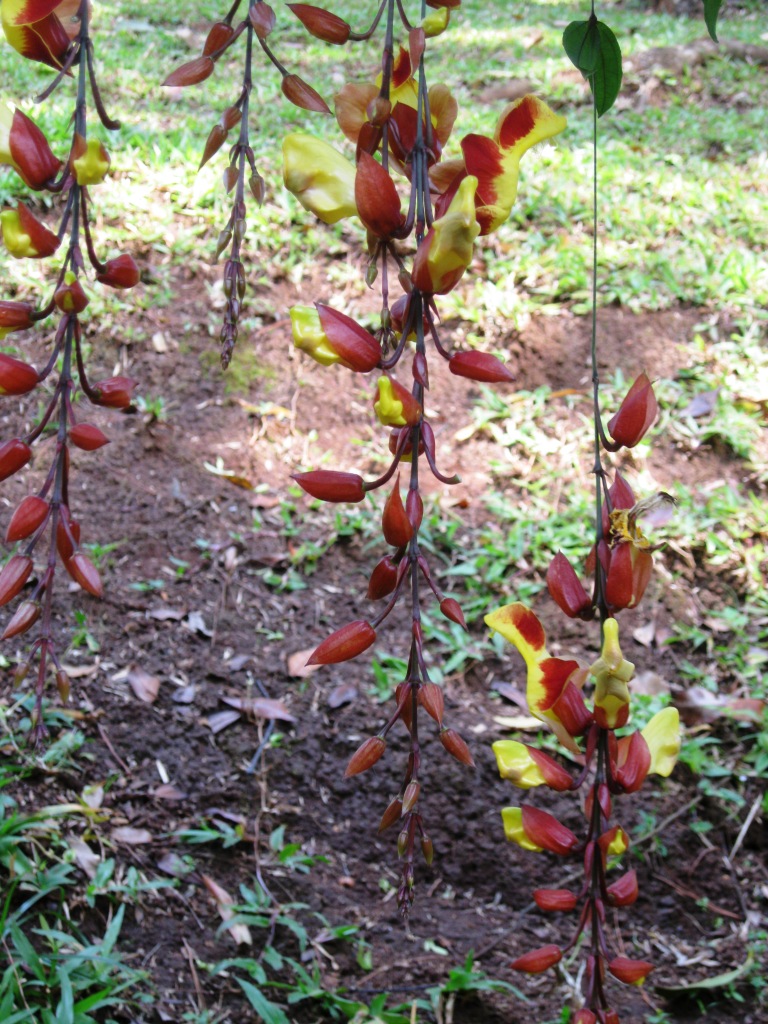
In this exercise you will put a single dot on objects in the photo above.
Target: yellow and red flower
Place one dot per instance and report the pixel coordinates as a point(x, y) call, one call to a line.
point(36, 28)
point(320, 177)
point(24, 147)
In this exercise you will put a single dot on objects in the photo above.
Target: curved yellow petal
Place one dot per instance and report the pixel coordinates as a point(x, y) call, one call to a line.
point(512, 819)
point(319, 176)
point(516, 764)
point(662, 734)
point(309, 337)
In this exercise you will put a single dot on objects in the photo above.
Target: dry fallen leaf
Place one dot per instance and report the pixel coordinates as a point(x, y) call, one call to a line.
point(131, 836)
point(297, 664)
point(144, 686)
point(260, 707)
point(221, 719)
point(239, 932)
point(85, 858)
point(168, 792)
point(164, 614)
point(344, 693)
point(645, 634)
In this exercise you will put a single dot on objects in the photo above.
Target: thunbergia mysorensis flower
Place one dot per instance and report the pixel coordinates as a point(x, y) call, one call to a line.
point(407, 197)
point(241, 176)
point(36, 30)
point(588, 707)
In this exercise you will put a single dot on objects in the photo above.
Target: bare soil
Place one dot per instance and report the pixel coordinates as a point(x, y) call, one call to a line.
point(216, 628)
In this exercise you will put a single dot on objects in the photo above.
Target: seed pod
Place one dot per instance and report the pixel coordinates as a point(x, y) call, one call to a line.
point(191, 73)
point(13, 576)
point(262, 18)
point(366, 756)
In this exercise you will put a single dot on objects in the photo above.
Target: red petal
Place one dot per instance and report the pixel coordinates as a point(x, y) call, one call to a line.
point(356, 347)
point(636, 413)
point(16, 377)
point(547, 832)
point(376, 198)
point(624, 890)
point(565, 587)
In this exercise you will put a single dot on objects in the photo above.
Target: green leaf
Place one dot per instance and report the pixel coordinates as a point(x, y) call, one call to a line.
point(711, 11)
point(269, 1012)
point(593, 48)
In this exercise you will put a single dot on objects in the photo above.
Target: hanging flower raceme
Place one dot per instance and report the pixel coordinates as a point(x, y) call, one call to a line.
point(37, 30)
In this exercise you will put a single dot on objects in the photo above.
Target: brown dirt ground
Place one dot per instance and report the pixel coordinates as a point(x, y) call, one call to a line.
point(217, 627)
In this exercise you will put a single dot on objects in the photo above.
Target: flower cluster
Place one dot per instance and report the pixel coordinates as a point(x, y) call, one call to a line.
point(37, 30)
point(241, 176)
point(409, 199)
point(585, 707)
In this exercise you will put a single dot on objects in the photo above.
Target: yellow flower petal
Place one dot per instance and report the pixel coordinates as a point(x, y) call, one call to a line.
point(512, 819)
point(17, 242)
point(516, 764)
point(662, 734)
point(387, 407)
point(91, 168)
point(320, 177)
point(308, 335)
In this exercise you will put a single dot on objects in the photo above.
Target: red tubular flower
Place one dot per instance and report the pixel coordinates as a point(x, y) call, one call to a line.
point(480, 366)
point(356, 348)
point(636, 413)
point(13, 576)
point(120, 272)
point(565, 588)
point(538, 960)
point(546, 831)
point(30, 153)
point(331, 485)
point(554, 899)
point(366, 756)
point(27, 518)
point(376, 198)
point(633, 762)
point(14, 455)
point(114, 392)
point(15, 316)
point(395, 524)
point(629, 573)
point(16, 378)
point(344, 644)
point(632, 972)
point(624, 891)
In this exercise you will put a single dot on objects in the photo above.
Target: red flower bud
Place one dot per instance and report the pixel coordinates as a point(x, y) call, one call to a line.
point(395, 524)
point(376, 198)
point(585, 1017)
point(31, 153)
point(302, 95)
point(538, 960)
point(345, 643)
point(629, 573)
point(14, 455)
point(456, 746)
point(410, 796)
point(71, 298)
point(451, 609)
point(330, 485)
point(84, 572)
point(555, 776)
point(480, 366)
point(357, 349)
point(431, 699)
point(13, 576)
point(392, 814)
point(632, 972)
point(554, 899)
point(322, 24)
point(565, 588)
point(15, 316)
point(404, 702)
point(191, 73)
point(27, 518)
point(366, 756)
point(427, 850)
point(120, 272)
point(63, 685)
point(25, 616)
point(219, 34)
point(114, 392)
point(414, 508)
point(262, 18)
point(67, 534)
point(16, 378)
point(624, 890)
point(383, 579)
point(636, 413)
point(633, 761)
point(87, 436)
point(546, 831)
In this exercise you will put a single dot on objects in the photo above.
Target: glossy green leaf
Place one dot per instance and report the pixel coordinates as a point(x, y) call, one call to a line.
point(594, 50)
point(269, 1012)
point(711, 11)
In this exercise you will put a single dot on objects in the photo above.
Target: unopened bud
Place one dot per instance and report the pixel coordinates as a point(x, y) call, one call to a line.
point(411, 796)
point(25, 616)
point(403, 841)
point(538, 960)
point(427, 849)
point(63, 685)
point(366, 756)
point(456, 746)
point(392, 814)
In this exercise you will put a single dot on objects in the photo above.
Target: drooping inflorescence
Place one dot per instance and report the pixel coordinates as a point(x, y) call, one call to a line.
point(36, 31)
point(422, 214)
